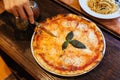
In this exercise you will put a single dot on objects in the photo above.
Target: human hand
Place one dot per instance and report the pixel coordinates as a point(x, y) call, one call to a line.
point(19, 8)
point(1, 7)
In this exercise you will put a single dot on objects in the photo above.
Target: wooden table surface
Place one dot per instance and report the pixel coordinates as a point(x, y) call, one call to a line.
point(16, 44)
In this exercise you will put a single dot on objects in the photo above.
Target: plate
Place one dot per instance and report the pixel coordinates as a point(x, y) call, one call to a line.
point(45, 66)
point(83, 4)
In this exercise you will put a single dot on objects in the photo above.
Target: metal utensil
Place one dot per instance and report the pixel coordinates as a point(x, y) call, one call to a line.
point(117, 2)
point(39, 28)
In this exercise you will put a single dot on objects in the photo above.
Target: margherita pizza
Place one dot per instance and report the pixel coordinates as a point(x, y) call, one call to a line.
point(77, 48)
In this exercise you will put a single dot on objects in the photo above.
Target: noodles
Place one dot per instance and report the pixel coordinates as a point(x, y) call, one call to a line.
point(103, 6)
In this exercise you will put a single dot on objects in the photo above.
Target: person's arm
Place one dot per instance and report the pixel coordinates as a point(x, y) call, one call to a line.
point(19, 8)
point(1, 7)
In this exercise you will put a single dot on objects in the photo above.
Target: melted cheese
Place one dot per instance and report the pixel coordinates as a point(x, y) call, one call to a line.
point(51, 47)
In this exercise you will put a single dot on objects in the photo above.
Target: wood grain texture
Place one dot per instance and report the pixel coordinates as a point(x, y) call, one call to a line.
point(19, 48)
point(4, 69)
point(110, 24)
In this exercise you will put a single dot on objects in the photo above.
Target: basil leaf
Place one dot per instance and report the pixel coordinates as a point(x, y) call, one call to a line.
point(77, 44)
point(69, 36)
point(65, 44)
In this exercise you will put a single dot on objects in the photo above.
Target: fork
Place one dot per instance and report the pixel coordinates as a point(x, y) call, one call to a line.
point(118, 2)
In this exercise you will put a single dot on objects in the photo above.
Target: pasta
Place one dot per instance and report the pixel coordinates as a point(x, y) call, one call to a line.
point(103, 6)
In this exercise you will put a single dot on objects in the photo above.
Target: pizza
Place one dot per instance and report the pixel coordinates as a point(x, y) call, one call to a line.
point(77, 48)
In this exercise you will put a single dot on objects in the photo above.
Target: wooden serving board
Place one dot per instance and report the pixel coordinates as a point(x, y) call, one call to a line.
point(111, 25)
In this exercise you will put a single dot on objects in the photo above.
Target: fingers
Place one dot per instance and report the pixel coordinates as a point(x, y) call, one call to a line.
point(22, 13)
point(20, 9)
point(9, 6)
point(29, 12)
point(14, 11)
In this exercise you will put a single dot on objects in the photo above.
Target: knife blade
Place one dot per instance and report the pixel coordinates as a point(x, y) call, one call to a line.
point(40, 27)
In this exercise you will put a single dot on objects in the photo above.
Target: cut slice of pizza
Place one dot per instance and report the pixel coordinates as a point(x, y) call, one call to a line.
point(73, 60)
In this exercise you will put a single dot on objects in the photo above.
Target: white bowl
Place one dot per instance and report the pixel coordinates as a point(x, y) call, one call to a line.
point(84, 6)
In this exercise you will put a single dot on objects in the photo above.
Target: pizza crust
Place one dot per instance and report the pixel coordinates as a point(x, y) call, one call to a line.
point(72, 61)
